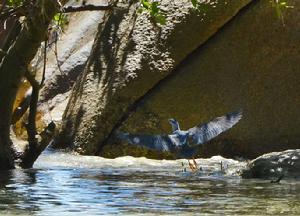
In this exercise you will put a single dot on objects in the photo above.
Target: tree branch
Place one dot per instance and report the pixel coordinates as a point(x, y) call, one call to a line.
point(13, 66)
point(4, 2)
point(45, 63)
point(13, 11)
point(7, 14)
point(71, 9)
point(35, 147)
point(31, 126)
point(31, 154)
point(22, 107)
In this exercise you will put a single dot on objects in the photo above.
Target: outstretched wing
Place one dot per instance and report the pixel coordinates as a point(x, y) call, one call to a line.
point(205, 132)
point(154, 142)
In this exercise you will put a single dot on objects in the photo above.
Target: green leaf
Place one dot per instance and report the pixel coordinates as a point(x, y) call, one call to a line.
point(15, 3)
point(194, 3)
point(140, 10)
point(161, 19)
point(57, 17)
point(146, 4)
point(60, 19)
point(283, 4)
point(154, 7)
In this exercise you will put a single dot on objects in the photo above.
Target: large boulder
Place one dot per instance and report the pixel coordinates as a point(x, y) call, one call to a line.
point(67, 59)
point(274, 165)
point(253, 63)
point(131, 54)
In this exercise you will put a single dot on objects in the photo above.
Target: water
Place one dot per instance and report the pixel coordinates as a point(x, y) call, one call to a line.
point(65, 184)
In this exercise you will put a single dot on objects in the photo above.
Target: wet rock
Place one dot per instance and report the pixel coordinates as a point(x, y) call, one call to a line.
point(131, 54)
point(274, 165)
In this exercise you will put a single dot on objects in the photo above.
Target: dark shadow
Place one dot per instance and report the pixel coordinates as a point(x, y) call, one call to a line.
point(66, 136)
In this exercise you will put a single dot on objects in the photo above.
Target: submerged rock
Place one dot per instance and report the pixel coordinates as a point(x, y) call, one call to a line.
point(274, 165)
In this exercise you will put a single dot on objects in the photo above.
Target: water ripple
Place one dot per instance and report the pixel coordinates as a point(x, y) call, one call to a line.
point(66, 184)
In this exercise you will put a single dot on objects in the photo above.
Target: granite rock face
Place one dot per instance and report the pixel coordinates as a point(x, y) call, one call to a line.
point(275, 164)
point(253, 63)
point(130, 56)
point(67, 59)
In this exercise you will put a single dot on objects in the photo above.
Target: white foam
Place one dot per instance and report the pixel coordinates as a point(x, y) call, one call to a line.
point(68, 160)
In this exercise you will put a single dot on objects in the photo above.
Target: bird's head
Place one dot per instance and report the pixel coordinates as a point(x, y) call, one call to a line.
point(174, 124)
point(172, 121)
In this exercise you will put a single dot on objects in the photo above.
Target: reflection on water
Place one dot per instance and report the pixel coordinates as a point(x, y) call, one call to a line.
point(64, 184)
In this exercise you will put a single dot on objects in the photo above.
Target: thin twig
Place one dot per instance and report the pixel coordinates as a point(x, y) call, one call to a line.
point(4, 2)
point(45, 62)
point(56, 54)
point(9, 13)
point(13, 11)
point(31, 126)
point(69, 9)
point(89, 7)
point(55, 45)
point(33, 82)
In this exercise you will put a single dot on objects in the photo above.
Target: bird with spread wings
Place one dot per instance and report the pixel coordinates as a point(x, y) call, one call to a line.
point(183, 142)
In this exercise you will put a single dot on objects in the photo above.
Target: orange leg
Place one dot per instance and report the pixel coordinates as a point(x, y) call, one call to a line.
point(193, 165)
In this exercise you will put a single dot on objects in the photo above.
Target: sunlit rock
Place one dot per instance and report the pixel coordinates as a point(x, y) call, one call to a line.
point(131, 54)
point(274, 165)
point(253, 63)
point(67, 59)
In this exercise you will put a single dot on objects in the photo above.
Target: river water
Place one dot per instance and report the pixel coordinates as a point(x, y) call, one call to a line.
point(65, 184)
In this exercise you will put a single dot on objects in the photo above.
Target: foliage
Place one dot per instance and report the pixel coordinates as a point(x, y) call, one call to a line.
point(201, 5)
point(14, 3)
point(152, 7)
point(280, 6)
point(60, 20)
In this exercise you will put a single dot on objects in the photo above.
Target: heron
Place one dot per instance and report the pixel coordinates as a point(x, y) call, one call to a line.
point(183, 143)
